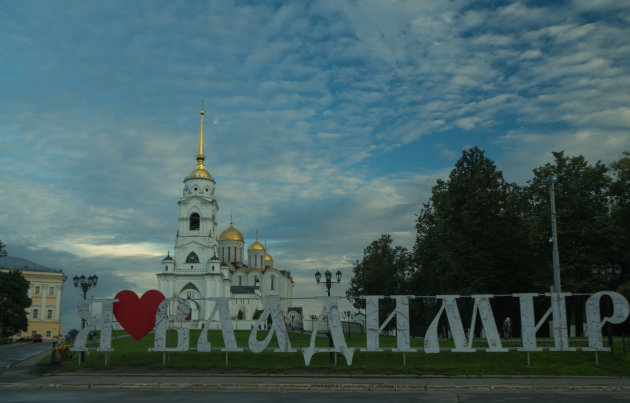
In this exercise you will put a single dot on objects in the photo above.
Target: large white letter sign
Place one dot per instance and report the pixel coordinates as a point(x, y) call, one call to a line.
point(222, 306)
point(482, 304)
point(272, 308)
point(431, 341)
point(374, 330)
point(620, 314)
point(529, 327)
point(331, 311)
point(104, 324)
point(560, 331)
point(162, 324)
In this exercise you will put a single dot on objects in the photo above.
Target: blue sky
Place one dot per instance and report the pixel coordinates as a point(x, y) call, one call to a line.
point(327, 122)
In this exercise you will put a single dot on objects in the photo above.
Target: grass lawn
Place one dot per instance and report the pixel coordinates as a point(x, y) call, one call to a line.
point(130, 355)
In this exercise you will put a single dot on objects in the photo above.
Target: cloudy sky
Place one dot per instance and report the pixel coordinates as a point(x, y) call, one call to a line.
point(327, 122)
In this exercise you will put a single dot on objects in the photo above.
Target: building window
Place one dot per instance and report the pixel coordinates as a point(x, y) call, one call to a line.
point(51, 291)
point(36, 289)
point(192, 258)
point(47, 333)
point(49, 314)
point(273, 282)
point(194, 222)
point(240, 280)
point(35, 313)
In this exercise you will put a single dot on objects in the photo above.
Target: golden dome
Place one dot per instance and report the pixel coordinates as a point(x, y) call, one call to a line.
point(199, 173)
point(231, 234)
point(256, 246)
point(268, 258)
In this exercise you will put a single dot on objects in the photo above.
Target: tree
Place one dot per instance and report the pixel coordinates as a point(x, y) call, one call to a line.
point(72, 334)
point(13, 302)
point(585, 230)
point(3, 251)
point(472, 239)
point(382, 271)
point(471, 236)
point(619, 192)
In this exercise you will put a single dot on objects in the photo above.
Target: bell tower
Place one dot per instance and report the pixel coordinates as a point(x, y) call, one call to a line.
point(196, 240)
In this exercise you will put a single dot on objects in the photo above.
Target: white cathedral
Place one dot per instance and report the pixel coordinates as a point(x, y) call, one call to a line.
point(206, 265)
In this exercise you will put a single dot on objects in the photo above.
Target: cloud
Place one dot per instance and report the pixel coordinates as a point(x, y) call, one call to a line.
point(326, 125)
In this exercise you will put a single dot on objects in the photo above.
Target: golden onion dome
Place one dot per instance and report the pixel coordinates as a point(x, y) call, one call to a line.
point(256, 246)
point(231, 234)
point(268, 258)
point(199, 173)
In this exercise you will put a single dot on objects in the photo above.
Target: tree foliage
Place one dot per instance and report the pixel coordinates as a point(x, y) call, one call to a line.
point(382, 271)
point(13, 302)
point(471, 236)
point(585, 229)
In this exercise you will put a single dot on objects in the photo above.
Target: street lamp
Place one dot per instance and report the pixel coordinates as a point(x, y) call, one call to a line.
point(328, 276)
point(607, 273)
point(85, 283)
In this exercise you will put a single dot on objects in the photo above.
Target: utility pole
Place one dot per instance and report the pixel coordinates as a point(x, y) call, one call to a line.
point(554, 233)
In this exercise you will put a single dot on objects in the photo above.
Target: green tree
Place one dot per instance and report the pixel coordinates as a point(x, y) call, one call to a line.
point(471, 236)
point(72, 333)
point(13, 302)
point(619, 191)
point(585, 231)
point(3, 251)
point(382, 271)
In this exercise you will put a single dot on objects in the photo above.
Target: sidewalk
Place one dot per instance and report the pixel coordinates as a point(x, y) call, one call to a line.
point(18, 377)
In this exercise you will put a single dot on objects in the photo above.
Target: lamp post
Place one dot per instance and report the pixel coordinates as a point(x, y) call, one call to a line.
point(607, 274)
point(328, 284)
point(85, 284)
point(328, 277)
point(348, 315)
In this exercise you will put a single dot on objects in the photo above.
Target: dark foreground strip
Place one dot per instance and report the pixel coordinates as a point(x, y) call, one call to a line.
point(318, 387)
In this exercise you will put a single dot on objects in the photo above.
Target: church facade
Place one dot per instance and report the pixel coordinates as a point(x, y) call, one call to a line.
point(206, 264)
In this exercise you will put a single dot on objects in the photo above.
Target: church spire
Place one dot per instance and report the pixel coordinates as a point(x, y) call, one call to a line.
point(200, 157)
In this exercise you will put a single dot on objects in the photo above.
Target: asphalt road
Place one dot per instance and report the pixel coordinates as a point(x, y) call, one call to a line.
point(279, 396)
point(13, 353)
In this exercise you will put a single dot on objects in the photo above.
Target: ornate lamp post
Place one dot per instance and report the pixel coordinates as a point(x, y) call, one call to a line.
point(348, 315)
point(85, 283)
point(328, 284)
point(328, 277)
point(607, 274)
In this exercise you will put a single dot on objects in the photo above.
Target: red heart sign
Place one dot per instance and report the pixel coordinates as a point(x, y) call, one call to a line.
point(137, 315)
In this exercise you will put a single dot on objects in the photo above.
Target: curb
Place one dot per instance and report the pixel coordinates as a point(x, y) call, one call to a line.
point(316, 387)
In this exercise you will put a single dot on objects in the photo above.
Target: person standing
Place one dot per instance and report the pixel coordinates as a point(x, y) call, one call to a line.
point(507, 328)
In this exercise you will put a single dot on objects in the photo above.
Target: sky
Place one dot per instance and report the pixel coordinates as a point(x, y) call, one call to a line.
point(326, 122)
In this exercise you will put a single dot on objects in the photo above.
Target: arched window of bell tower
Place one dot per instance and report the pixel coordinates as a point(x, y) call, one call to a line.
point(194, 222)
point(192, 258)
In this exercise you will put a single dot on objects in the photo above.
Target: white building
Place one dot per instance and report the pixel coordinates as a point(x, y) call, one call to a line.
point(205, 264)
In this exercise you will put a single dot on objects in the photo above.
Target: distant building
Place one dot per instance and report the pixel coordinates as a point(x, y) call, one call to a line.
point(45, 291)
point(206, 264)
